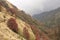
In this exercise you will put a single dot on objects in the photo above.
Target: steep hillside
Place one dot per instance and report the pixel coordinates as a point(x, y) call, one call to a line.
point(51, 21)
point(49, 18)
point(16, 25)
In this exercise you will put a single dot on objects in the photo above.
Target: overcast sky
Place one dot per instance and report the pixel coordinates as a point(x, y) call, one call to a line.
point(36, 6)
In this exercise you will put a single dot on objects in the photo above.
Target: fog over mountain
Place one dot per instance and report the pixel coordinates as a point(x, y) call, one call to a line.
point(51, 4)
point(36, 6)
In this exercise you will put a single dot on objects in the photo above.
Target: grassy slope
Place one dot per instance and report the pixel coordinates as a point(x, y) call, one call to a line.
point(24, 20)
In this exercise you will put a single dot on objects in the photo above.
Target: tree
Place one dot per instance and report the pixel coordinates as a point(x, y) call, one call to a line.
point(11, 23)
point(26, 33)
point(36, 32)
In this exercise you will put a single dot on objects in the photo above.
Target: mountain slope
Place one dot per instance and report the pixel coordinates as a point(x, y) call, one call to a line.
point(51, 20)
point(16, 25)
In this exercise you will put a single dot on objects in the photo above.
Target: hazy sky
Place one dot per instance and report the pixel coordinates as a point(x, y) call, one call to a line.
point(36, 6)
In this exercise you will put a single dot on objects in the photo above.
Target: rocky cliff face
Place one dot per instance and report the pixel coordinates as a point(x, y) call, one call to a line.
point(16, 25)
